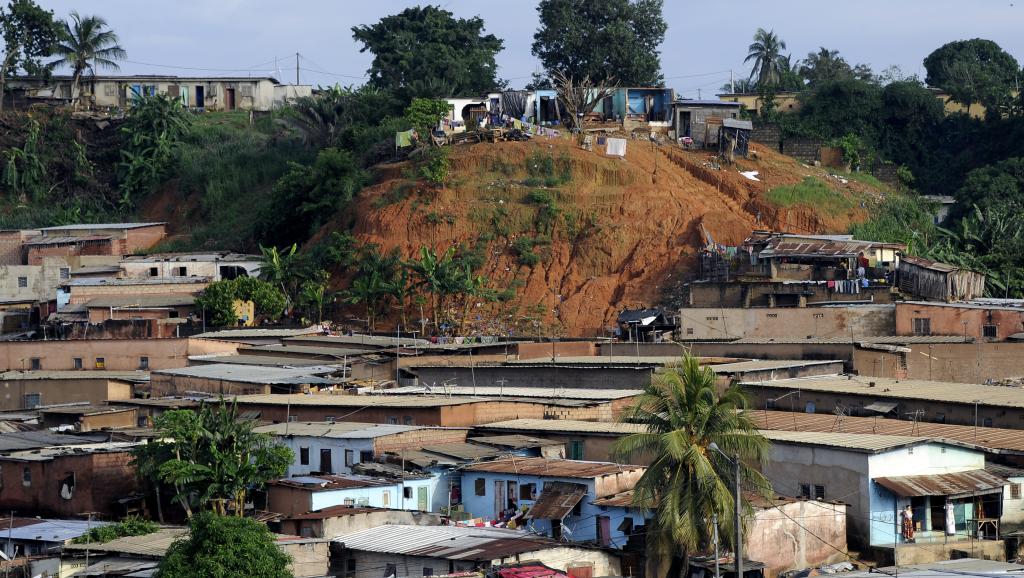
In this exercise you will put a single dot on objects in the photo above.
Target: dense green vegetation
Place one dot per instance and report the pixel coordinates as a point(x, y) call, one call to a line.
point(220, 546)
point(896, 118)
point(810, 192)
point(130, 526)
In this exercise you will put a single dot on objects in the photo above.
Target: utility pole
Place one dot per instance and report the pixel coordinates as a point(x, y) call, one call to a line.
point(698, 94)
point(296, 69)
point(732, 82)
point(10, 529)
point(739, 520)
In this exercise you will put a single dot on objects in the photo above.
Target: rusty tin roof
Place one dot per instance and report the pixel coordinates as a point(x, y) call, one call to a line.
point(955, 485)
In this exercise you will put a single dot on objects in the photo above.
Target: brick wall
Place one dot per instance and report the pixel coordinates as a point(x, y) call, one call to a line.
point(417, 439)
point(36, 253)
point(801, 148)
point(886, 172)
point(143, 238)
point(768, 135)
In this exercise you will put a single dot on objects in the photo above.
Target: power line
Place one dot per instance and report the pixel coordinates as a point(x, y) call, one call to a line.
point(249, 69)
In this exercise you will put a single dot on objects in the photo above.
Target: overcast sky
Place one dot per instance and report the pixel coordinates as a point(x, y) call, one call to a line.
point(704, 40)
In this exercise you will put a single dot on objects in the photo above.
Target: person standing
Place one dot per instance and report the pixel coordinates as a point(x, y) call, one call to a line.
point(908, 524)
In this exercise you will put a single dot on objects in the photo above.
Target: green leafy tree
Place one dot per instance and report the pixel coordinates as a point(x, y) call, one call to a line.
point(28, 34)
point(369, 290)
point(217, 300)
point(602, 39)
point(217, 303)
point(436, 166)
point(153, 132)
point(688, 482)
point(85, 43)
point(334, 116)
point(764, 52)
point(423, 114)
point(315, 295)
point(973, 71)
point(835, 109)
point(909, 123)
point(286, 269)
point(827, 65)
point(130, 526)
point(212, 458)
point(424, 51)
point(266, 298)
point(218, 546)
point(307, 195)
point(432, 274)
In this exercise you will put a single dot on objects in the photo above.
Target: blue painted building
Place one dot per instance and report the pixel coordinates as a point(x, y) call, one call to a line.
point(303, 494)
point(576, 500)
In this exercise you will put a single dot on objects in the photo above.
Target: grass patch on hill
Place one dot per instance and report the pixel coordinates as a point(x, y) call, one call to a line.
point(810, 192)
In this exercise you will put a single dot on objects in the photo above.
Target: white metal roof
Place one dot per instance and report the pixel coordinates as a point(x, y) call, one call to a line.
point(909, 389)
point(448, 542)
point(338, 430)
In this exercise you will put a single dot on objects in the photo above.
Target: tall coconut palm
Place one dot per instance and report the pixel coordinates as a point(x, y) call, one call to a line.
point(765, 52)
point(84, 43)
point(688, 482)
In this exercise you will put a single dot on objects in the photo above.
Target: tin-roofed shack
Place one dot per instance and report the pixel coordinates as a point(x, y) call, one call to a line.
point(66, 480)
point(423, 551)
point(702, 119)
point(929, 279)
point(28, 389)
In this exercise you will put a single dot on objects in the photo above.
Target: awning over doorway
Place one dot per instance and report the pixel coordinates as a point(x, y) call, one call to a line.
point(557, 500)
point(957, 485)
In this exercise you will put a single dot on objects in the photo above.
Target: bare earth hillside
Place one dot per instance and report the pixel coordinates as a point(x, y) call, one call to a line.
point(626, 230)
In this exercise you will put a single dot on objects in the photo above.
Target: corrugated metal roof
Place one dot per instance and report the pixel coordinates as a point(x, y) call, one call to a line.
point(142, 301)
point(909, 389)
point(564, 426)
point(118, 566)
point(556, 500)
point(153, 545)
point(87, 409)
point(957, 485)
point(870, 443)
point(945, 569)
point(134, 281)
point(515, 441)
point(323, 483)
point(312, 350)
point(928, 264)
point(1000, 305)
point(552, 467)
point(341, 400)
point(784, 246)
point(446, 542)
point(337, 430)
point(46, 530)
point(256, 360)
point(621, 500)
point(424, 459)
point(215, 256)
point(95, 226)
point(132, 376)
point(30, 440)
point(66, 240)
point(524, 392)
point(48, 453)
point(358, 339)
point(257, 375)
point(886, 339)
point(228, 334)
point(464, 450)
point(768, 364)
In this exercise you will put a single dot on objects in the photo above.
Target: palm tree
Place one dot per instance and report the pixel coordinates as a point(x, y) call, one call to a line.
point(688, 483)
point(433, 272)
point(765, 52)
point(84, 43)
